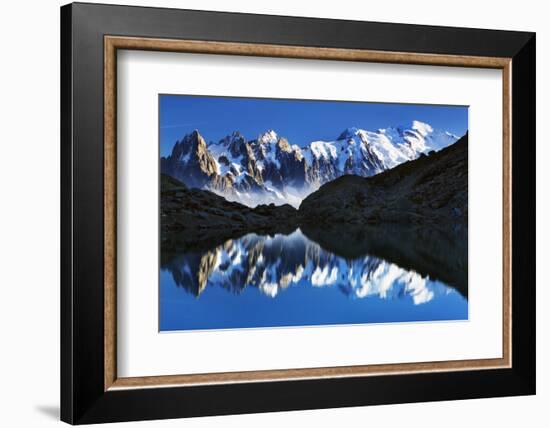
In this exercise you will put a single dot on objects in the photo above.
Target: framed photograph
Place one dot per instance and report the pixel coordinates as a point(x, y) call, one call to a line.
point(266, 213)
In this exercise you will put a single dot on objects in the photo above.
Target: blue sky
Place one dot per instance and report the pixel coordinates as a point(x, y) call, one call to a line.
point(300, 121)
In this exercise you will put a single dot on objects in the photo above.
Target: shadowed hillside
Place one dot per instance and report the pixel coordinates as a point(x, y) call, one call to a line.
point(190, 216)
point(432, 189)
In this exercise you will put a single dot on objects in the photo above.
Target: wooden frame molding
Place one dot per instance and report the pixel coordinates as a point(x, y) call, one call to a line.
point(113, 43)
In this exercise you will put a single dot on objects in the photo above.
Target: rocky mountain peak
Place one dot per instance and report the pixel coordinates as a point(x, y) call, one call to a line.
point(190, 158)
point(422, 128)
point(190, 143)
point(268, 137)
point(283, 145)
point(236, 144)
point(348, 133)
point(234, 136)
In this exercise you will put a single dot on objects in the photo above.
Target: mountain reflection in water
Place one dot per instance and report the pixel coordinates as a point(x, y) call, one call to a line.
point(291, 280)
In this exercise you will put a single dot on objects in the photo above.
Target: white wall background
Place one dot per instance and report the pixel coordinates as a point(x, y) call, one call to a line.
point(29, 213)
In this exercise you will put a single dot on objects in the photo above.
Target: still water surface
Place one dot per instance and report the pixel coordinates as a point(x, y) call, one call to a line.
point(290, 280)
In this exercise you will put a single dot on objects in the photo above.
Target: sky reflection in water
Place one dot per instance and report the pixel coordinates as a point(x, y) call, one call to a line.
point(290, 280)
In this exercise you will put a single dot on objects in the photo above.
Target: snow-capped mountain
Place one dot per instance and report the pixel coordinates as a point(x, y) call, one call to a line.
point(269, 169)
point(274, 263)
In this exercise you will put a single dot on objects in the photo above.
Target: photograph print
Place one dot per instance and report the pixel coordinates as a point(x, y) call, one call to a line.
point(302, 213)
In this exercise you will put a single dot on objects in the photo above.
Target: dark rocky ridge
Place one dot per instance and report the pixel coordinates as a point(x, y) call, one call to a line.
point(191, 216)
point(432, 189)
